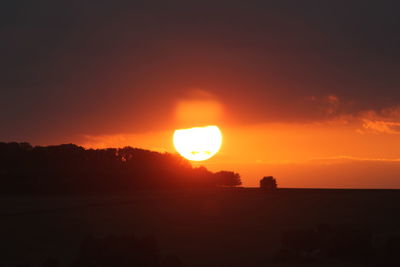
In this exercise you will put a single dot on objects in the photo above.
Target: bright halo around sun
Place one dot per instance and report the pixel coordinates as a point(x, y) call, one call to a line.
point(199, 143)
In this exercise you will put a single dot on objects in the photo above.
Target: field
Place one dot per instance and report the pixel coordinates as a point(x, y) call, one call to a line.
point(239, 227)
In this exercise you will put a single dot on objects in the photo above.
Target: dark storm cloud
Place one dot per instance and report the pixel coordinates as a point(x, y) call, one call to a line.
point(74, 67)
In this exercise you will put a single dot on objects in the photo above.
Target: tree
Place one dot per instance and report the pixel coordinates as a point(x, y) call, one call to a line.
point(227, 178)
point(268, 183)
point(70, 168)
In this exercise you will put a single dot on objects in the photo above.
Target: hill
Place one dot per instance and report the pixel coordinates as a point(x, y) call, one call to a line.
point(70, 168)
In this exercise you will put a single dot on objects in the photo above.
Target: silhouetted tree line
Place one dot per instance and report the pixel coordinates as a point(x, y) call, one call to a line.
point(70, 168)
point(268, 183)
point(119, 251)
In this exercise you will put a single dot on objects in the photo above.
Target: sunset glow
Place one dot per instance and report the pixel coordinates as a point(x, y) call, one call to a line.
point(298, 93)
point(200, 133)
point(199, 143)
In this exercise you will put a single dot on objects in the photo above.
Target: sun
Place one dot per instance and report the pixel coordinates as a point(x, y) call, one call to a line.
point(198, 143)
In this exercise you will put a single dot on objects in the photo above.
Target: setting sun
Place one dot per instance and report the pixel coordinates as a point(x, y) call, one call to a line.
point(199, 143)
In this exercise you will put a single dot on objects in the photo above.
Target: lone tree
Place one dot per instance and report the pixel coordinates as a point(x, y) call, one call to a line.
point(268, 183)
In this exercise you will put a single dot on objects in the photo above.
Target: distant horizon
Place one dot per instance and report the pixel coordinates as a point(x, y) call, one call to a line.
point(303, 175)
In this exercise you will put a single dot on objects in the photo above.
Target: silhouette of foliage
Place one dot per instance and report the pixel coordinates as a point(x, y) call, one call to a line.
point(121, 251)
point(326, 243)
point(69, 168)
point(228, 178)
point(339, 243)
point(268, 183)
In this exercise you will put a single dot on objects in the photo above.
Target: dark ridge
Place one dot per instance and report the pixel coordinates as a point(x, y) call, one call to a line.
point(72, 169)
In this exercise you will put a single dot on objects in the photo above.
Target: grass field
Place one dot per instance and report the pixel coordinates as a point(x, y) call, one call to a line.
point(239, 227)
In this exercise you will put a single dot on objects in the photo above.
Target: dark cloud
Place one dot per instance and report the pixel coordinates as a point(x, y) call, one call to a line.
point(83, 67)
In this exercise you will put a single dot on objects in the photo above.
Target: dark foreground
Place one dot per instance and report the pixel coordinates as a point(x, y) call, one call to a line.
point(241, 227)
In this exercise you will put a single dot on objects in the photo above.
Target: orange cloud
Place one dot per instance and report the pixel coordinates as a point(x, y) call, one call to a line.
point(347, 159)
point(385, 121)
point(382, 126)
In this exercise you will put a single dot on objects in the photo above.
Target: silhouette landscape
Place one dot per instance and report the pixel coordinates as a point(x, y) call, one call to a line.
point(69, 206)
point(28, 169)
point(199, 133)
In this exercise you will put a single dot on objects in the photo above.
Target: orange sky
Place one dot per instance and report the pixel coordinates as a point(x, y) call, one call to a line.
point(307, 91)
point(345, 151)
